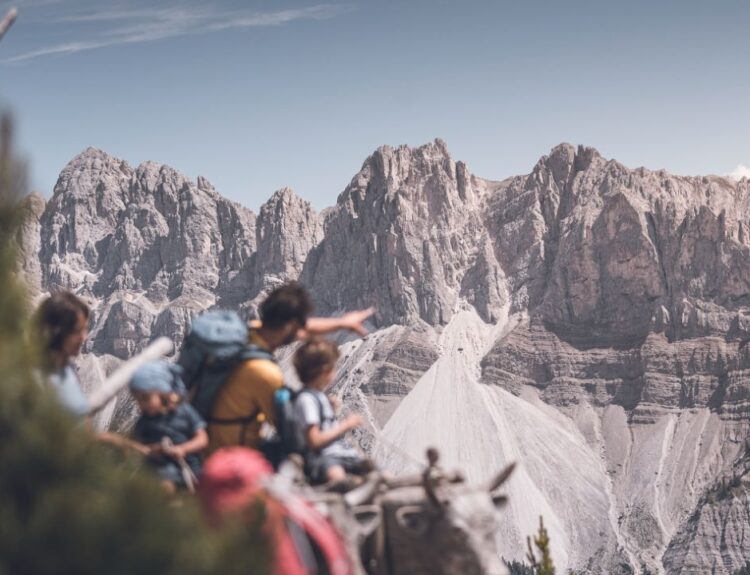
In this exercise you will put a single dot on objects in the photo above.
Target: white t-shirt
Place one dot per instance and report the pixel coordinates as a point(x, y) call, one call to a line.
point(308, 408)
point(68, 389)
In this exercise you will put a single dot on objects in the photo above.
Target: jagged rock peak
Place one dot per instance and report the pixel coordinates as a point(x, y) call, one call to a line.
point(391, 160)
point(204, 184)
point(88, 170)
point(427, 175)
point(405, 234)
point(283, 200)
point(34, 203)
point(285, 209)
point(436, 148)
point(566, 159)
point(93, 158)
point(92, 153)
point(151, 174)
point(150, 170)
point(287, 229)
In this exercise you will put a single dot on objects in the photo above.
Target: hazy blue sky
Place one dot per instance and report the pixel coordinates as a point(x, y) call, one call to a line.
point(256, 95)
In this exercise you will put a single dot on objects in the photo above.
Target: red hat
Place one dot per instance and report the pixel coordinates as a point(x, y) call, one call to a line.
point(231, 478)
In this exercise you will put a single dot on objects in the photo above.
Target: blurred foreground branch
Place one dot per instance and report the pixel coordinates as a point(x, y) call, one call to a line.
point(68, 504)
point(7, 21)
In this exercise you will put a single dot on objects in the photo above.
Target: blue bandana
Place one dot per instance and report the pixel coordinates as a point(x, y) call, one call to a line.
point(159, 376)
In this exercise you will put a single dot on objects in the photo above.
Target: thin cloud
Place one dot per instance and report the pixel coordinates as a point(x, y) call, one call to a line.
point(741, 171)
point(69, 48)
point(154, 24)
point(34, 3)
point(144, 14)
point(321, 12)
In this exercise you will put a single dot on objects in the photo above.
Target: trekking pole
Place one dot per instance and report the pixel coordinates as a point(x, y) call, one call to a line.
point(7, 21)
point(120, 378)
point(187, 474)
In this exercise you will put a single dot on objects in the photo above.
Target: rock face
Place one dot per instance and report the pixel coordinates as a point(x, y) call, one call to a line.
point(587, 319)
point(714, 539)
point(287, 230)
point(404, 237)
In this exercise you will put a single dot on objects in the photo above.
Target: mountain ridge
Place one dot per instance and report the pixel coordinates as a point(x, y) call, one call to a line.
point(587, 306)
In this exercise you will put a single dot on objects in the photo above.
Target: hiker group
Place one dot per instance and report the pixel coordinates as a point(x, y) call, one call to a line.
point(225, 389)
point(225, 396)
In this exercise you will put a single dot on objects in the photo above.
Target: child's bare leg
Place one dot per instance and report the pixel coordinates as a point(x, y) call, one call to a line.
point(336, 473)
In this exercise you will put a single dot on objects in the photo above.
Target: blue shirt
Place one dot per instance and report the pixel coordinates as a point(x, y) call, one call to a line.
point(68, 389)
point(179, 425)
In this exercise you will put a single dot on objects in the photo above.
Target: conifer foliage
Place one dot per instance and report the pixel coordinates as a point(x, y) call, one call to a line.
point(542, 565)
point(67, 504)
point(519, 568)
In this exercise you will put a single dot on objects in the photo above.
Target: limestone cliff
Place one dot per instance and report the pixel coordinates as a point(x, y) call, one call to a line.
point(587, 319)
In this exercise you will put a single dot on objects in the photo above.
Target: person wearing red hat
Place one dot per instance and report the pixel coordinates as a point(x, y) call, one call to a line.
point(236, 477)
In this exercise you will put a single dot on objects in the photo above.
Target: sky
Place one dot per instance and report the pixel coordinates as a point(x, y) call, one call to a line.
point(256, 95)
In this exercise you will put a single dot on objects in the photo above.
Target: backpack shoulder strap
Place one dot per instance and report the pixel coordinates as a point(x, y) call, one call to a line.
point(250, 352)
point(253, 351)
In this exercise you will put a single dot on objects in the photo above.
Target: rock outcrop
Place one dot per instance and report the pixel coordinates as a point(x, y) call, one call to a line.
point(587, 319)
point(716, 539)
point(404, 237)
point(288, 229)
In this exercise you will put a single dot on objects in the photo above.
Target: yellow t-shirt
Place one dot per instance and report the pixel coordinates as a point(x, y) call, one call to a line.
point(249, 390)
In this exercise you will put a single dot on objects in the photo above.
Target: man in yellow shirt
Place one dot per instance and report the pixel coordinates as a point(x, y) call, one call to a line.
point(245, 401)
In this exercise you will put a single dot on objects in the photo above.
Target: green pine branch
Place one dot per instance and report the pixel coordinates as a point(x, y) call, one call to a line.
point(542, 565)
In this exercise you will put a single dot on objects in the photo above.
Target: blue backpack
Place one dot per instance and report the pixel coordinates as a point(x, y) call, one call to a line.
point(216, 345)
point(291, 436)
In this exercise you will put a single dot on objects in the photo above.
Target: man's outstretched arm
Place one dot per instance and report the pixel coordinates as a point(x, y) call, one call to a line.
point(351, 321)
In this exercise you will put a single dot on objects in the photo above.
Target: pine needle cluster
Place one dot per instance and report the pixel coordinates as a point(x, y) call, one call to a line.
point(542, 565)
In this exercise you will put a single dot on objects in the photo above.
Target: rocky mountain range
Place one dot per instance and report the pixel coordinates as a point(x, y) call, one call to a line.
point(588, 320)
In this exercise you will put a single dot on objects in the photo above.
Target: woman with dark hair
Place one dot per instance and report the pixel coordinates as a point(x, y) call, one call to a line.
point(62, 324)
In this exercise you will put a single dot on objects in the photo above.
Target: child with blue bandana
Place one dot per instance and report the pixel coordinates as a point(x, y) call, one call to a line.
point(170, 429)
